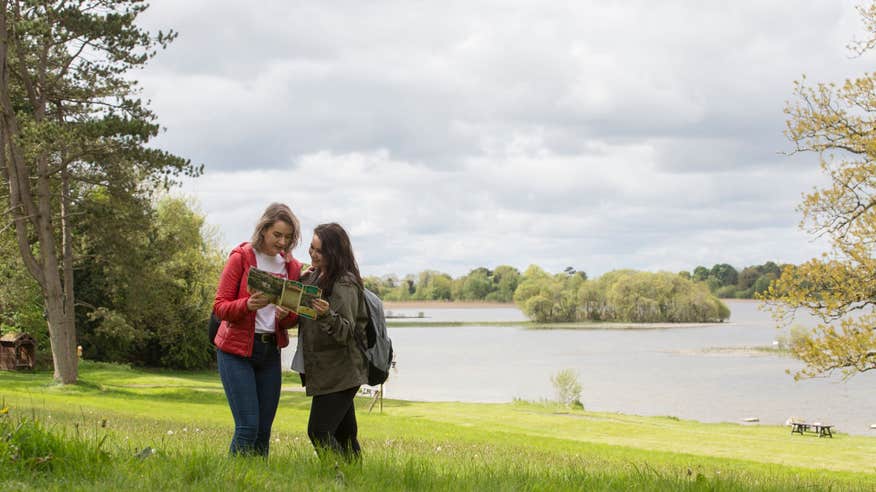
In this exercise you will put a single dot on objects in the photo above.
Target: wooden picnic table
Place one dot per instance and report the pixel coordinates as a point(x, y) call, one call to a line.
point(816, 428)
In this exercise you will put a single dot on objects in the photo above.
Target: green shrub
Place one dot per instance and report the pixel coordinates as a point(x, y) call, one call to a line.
point(794, 338)
point(567, 388)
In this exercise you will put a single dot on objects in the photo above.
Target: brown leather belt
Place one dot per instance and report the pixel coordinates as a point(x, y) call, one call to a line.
point(266, 338)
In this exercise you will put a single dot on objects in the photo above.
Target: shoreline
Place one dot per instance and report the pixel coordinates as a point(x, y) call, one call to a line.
point(446, 304)
point(560, 325)
point(482, 304)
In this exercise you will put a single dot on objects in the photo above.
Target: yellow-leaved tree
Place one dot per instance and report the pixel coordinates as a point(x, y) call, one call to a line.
point(838, 122)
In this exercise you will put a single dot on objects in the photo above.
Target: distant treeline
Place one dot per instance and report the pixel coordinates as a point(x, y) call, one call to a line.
point(728, 283)
point(481, 284)
point(499, 285)
point(622, 295)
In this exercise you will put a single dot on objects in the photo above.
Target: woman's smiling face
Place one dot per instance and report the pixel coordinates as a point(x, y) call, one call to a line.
point(277, 237)
point(316, 251)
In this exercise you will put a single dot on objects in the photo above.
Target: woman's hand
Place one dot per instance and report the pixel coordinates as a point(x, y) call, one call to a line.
point(282, 312)
point(321, 305)
point(257, 301)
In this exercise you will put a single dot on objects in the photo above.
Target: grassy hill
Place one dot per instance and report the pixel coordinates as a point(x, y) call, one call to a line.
point(141, 430)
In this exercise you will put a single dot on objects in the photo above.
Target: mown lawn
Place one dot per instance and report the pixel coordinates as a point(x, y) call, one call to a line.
point(143, 430)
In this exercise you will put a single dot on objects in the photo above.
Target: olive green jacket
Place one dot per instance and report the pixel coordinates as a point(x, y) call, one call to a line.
point(331, 345)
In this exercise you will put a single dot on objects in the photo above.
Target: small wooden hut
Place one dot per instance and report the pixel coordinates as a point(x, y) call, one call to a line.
point(17, 351)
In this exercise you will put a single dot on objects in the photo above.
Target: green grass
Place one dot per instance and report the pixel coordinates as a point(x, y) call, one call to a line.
point(92, 436)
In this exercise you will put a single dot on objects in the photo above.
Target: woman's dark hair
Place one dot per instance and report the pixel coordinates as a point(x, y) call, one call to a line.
point(276, 212)
point(337, 257)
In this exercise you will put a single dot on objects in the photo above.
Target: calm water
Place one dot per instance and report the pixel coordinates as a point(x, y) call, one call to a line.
point(458, 314)
point(644, 372)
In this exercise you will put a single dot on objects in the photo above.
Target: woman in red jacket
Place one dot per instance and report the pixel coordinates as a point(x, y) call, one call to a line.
point(253, 331)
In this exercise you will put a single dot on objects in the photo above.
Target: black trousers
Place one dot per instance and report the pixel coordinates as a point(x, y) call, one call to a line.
point(332, 424)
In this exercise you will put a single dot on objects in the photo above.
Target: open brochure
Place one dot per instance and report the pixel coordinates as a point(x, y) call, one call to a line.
point(291, 294)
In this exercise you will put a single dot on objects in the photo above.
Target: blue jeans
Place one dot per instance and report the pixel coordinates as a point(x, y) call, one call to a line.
point(252, 386)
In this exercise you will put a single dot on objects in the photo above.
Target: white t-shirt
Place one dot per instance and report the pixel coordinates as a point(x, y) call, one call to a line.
point(266, 315)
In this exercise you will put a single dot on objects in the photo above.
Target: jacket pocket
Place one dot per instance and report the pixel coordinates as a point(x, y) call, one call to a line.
point(330, 369)
point(323, 342)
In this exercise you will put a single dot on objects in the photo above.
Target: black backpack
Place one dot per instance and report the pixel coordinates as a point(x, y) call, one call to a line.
point(377, 346)
point(213, 327)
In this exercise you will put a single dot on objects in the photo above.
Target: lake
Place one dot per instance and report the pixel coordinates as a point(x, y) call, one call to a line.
point(671, 371)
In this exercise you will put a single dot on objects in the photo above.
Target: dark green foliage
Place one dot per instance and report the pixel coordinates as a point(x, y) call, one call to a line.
point(146, 284)
point(21, 304)
point(506, 278)
point(477, 284)
point(725, 274)
point(726, 282)
point(700, 273)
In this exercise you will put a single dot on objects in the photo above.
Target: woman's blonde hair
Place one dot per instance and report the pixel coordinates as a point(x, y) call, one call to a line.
point(276, 212)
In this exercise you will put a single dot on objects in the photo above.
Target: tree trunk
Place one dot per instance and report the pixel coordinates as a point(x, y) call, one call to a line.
point(69, 354)
point(33, 216)
point(62, 329)
point(62, 332)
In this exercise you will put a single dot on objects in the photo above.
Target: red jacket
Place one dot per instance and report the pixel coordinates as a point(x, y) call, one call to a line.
point(236, 333)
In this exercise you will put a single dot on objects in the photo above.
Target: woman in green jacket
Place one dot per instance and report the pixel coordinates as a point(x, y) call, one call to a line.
point(330, 355)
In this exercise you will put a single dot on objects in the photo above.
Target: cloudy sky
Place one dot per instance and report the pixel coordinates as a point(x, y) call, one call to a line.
point(451, 135)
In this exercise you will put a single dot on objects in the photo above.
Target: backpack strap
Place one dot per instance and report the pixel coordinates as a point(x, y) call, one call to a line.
point(363, 343)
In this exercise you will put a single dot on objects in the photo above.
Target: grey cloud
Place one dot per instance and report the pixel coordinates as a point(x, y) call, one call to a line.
point(597, 134)
point(358, 79)
point(719, 154)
